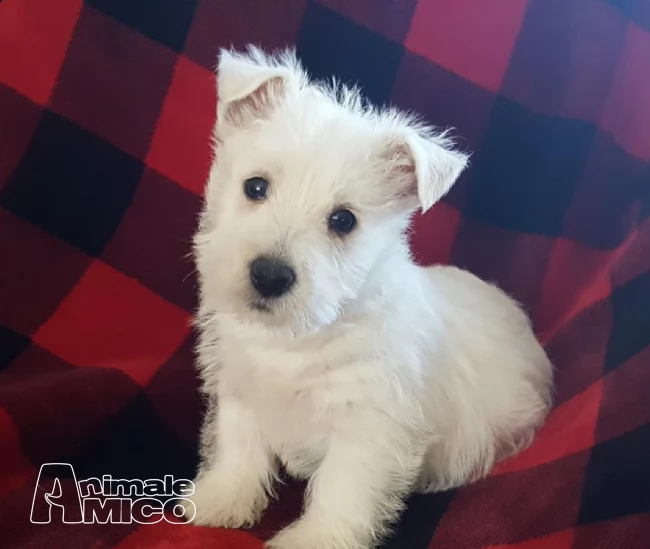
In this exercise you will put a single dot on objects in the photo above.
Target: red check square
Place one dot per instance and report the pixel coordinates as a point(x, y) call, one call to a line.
point(64, 404)
point(472, 38)
point(557, 540)
point(387, 17)
point(153, 241)
point(515, 261)
point(627, 111)
point(578, 351)
point(569, 429)
point(433, 234)
point(181, 148)
point(576, 278)
point(635, 259)
point(113, 82)
point(15, 468)
point(241, 22)
point(500, 505)
point(112, 321)
point(168, 534)
point(33, 42)
point(625, 533)
point(38, 272)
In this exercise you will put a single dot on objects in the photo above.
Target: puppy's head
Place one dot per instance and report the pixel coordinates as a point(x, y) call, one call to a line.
point(309, 191)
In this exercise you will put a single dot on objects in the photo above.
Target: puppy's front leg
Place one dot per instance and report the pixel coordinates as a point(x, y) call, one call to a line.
point(358, 490)
point(231, 490)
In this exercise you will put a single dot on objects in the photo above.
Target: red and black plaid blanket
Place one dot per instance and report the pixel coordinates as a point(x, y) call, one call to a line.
point(105, 112)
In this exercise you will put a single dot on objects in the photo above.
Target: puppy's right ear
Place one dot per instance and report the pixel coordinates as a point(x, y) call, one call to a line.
point(250, 85)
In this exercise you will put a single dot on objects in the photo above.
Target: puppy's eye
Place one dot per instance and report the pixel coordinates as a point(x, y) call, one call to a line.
point(256, 188)
point(342, 221)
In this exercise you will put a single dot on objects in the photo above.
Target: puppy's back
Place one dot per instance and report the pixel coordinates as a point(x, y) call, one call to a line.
point(491, 380)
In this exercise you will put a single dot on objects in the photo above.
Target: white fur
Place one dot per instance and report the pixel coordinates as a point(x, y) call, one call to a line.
point(372, 376)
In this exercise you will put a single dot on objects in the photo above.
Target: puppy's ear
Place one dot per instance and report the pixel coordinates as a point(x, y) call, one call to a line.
point(250, 85)
point(424, 165)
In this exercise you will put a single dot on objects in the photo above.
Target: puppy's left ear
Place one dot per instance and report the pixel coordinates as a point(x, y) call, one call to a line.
point(252, 83)
point(424, 166)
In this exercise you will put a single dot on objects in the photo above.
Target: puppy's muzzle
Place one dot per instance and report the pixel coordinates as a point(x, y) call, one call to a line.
point(271, 277)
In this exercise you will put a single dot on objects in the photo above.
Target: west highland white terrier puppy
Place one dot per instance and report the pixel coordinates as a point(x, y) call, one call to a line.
point(323, 347)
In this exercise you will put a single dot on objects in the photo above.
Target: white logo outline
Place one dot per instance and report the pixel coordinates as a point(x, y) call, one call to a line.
point(114, 508)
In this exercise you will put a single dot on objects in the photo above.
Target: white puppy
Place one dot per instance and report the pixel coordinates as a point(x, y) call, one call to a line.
point(327, 349)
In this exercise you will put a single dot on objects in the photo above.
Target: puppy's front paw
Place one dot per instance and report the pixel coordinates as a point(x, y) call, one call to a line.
point(304, 534)
point(225, 503)
point(293, 537)
point(428, 482)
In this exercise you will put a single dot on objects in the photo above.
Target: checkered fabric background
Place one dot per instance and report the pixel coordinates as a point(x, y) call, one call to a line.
point(105, 111)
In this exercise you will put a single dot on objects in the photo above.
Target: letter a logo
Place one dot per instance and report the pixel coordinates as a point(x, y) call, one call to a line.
point(56, 486)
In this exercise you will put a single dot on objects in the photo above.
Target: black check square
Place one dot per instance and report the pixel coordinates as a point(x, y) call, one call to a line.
point(72, 184)
point(167, 21)
point(637, 10)
point(609, 196)
point(617, 480)
point(129, 441)
point(18, 118)
point(420, 520)
point(570, 75)
point(331, 45)
point(67, 405)
point(644, 210)
point(11, 345)
point(524, 172)
point(444, 98)
point(630, 321)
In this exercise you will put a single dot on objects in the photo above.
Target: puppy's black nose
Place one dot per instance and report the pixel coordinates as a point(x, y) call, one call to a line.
point(271, 277)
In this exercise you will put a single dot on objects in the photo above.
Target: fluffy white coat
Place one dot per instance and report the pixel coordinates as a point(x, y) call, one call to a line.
point(372, 377)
